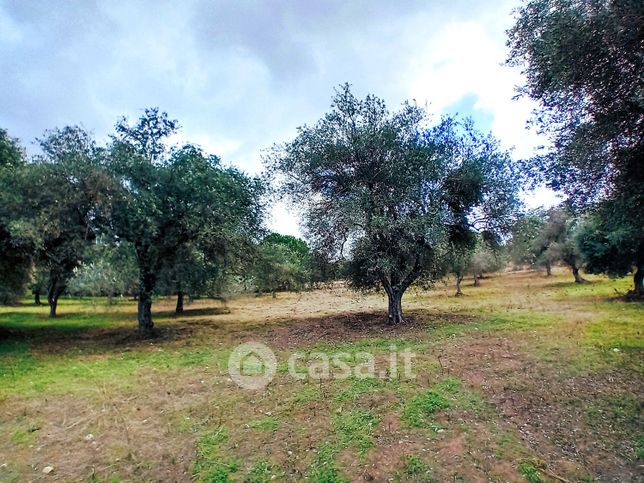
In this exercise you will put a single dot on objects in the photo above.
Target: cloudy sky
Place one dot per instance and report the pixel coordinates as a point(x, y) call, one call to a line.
point(242, 75)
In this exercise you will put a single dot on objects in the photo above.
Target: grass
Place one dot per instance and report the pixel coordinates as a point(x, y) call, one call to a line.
point(210, 465)
point(520, 360)
point(449, 393)
point(355, 428)
point(265, 424)
point(531, 474)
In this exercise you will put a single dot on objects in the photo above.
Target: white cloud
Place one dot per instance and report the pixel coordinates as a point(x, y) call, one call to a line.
point(241, 76)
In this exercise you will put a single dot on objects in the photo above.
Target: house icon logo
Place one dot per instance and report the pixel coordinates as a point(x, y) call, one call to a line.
point(252, 365)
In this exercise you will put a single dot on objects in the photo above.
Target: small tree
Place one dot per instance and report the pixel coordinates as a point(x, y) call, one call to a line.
point(557, 242)
point(392, 193)
point(460, 260)
point(488, 257)
point(283, 263)
point(524, 232)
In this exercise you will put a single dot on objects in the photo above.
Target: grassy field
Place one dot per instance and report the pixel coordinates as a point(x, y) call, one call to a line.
point(525, 378)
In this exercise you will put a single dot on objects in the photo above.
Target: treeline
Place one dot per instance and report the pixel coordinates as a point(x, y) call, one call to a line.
point(278, 263)
point(134, 216)
point(390, 197)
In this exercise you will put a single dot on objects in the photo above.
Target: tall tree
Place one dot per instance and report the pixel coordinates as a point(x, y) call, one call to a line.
point(172, 197)
point(583, 63)
point(16, 259)
point(391, 193)
point(62, 200)
point(71, 191)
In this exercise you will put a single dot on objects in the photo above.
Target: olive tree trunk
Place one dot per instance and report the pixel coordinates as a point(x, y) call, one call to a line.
point(638, 280)
point(37, 298)
point(459, 279)
point(578, 277)
point(179, 308)
point(394, 311)
point(145, 304)
point(395, 287)
point(55, 290)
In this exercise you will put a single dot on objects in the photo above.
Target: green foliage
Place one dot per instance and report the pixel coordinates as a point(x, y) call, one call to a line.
point(486, 259)
point(109, 269)
point(15, 262)
point(583, 62)
point(283, 262)
point(170, 198)
point(557, 241)
point(531, 474)
point(524, 232)
point(606, 243)
point(63, 205)
point(15, 267)
point(391, 193)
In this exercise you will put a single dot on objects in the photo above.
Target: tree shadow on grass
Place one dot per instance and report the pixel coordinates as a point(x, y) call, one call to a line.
point(73, 333)
point(100, 332)
point(196, 312)
point(356, 326)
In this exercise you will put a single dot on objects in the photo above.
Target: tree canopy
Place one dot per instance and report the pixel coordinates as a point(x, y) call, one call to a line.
point(16, 259)
point(170, 198)
point(391, 193)
point(583, 62)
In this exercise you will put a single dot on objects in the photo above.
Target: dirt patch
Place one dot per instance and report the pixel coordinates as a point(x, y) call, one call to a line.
point(548, 411)
point(124, 436)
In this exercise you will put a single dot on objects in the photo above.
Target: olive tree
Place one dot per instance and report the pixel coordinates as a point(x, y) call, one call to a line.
point(392, 194)
point(169, 198)
point(583, 64)
point(16, 250)
point(62, 204)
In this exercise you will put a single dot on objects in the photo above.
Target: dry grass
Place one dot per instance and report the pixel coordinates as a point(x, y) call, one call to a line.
point(524, 378)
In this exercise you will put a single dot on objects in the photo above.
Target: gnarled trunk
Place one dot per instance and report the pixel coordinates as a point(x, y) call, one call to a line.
point(37, 298)
point(145, 304)
point(395, 287)
point(179, 308)
point(477, 280)
point(395, 314)
point(578, 277)
point(55, 290)
point(638, 280)
point(548, 269)
point(53, 306)
point(459, 279)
